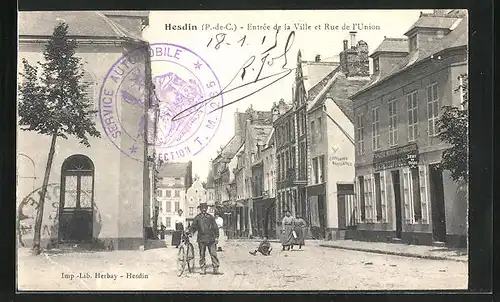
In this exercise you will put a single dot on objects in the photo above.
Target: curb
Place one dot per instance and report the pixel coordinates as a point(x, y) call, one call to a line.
point(403, 254)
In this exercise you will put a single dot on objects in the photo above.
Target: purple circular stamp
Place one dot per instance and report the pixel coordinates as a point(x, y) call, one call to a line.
point(180, 121)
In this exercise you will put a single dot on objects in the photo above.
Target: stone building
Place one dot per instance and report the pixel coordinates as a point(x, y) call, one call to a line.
point(171, 192)
point(402, 193)
point(330, 189)
point(195, 195)
point(291, 138)
point(96, 194)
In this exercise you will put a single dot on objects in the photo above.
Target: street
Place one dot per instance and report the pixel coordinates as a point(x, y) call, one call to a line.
point(313, 268)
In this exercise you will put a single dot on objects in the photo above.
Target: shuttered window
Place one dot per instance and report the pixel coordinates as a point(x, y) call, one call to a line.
point(383, 196)
point(368, 199)
point(407, 196)
point(357, 204)
point(424, 193)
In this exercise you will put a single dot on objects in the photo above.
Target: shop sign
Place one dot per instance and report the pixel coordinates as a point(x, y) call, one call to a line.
point(396, 157)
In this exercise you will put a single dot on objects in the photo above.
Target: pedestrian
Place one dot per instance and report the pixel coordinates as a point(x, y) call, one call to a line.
point(162, 231)
point(179, 221)
point(264, 248)
point(222, 235)
point(287, 231)
point(207, 237)
point(299, 225)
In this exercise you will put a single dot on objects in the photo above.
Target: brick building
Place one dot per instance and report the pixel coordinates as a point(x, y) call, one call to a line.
point(402, 193)
point(96, 193)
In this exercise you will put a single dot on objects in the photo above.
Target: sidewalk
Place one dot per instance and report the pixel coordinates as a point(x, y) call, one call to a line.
point(398, 249)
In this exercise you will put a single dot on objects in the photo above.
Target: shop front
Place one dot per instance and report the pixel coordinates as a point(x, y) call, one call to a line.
point(265, 217)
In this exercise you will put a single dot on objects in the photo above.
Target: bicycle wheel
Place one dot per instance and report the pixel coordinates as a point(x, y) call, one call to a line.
point(181, 260)
point(190, 257)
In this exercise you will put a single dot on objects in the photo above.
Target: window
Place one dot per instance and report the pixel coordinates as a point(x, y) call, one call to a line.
point(361, 141)
point(393, 125)
point(432, 108)
point(375, 129)
point(313, 132)
point(168, 222)
point(177, 193)
point(321, 164)
point(368, 198)
point(161, 207)
point(319, 129)
point(413, 43)
point(177, 206)
point(376, 65)
point(315, 170)
point(168, 206)
point(464, 88)
point(159, 193)
point(77, 188)
point(378, 197)
point(168, 193)
point(415, 195)
point(361, 196)
point(412, 116)
point(191, 211)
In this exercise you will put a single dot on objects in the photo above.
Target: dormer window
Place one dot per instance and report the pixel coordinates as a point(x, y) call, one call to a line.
point(413, 43)
point(376, 66)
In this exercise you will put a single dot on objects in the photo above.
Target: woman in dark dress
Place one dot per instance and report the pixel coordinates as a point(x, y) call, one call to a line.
point(180, 221)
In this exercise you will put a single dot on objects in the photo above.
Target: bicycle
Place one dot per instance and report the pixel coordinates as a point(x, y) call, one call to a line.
point(185, 255)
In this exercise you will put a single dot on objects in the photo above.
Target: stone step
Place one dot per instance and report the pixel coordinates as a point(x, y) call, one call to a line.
point(396, 240)
point(439, 244)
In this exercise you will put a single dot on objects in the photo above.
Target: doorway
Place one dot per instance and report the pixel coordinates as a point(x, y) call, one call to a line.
point(322, 218)
point(76, 210)
point(437, 203)
point(396, 185)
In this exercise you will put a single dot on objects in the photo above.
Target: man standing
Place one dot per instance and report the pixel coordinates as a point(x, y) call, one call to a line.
point(208, 235)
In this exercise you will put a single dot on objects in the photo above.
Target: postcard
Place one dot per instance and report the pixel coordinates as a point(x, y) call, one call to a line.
point(255, 150)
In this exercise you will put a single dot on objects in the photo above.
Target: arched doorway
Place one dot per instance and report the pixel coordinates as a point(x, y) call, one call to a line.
point(77, 199)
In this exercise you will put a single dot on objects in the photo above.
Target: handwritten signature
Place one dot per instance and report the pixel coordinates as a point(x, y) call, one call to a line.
point(260, 82)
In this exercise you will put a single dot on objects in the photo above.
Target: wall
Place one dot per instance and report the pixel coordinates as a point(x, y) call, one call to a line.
point(118, 195)
point(195, 195)
point(339, 159)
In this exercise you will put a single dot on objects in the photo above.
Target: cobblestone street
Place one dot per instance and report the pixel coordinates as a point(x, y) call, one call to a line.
point(313, 268)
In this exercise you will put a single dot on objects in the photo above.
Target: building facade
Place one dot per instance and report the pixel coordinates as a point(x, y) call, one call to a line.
point(171, 192)
point(330, 189)
point(401, 192)
point(195, 195)
point(95, 193)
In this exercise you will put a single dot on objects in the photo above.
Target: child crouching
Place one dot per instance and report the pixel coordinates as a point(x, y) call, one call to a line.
point(264, 248)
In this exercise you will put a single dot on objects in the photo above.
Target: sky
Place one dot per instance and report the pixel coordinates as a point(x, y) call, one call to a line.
point(245, 36)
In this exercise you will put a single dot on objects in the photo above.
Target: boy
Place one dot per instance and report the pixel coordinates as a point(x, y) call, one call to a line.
point(264, 248)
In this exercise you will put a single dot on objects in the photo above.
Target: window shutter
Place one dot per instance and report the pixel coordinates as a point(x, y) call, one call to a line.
point(357, 208)
point(367, 201)
point(383, 196)
point(407, 195)
point(424, 193)
point(373, 197)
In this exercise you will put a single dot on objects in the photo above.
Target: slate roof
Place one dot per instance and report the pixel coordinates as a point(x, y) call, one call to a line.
point(399, 45)
point(173, 169)
point(82, 24)
point(458, 37)
point(260, 133)
point(339, 88)
point(433, 21)
point(232, 147)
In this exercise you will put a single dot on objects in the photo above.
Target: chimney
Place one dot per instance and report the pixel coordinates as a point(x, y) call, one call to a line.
point(352, 34)
point(345, 45)
point(317, 59)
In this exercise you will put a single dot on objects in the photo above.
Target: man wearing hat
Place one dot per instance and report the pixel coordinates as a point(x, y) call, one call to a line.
point(208, 235)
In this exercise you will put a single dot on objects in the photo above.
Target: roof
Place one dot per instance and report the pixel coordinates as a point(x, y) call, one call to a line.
point(314, 72)
point(82, 24)
point(433, 21)
point(260, 133)
point(231, 148)
point(173, 169)
point(399, 45)
point(314, 91)
point(339, 88)
point(458, 37)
